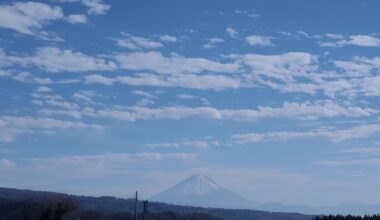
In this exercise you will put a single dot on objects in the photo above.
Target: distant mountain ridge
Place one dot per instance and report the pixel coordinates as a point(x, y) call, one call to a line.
point(200, 190)
point(108, 204)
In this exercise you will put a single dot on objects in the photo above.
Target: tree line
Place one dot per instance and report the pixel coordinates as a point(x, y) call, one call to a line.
point(65, 209)
point(347, 217)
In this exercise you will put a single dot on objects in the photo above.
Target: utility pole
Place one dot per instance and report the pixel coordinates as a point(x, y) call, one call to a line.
point(136, 206)
point(145, 209)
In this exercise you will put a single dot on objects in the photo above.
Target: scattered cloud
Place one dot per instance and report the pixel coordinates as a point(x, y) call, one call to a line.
point(334, 36)
point(95, 7)
point(43, 89)
point(361, 131)
point(354, 40)
point(350, 162)
point(212, 42)
point(142, 93)
point(168, 38)
point(29, 17)
point(191, 81)
point(186, 96)
point(77, 19)
point(303, 111)
point(95, 165)
point(196, 143)
point(11, 126)
point(281, 67)
point(85, 96)
point(26, 77)
point(259, 40)
point(138, 43)
point(96, 78)
point(53, 59)
point(7, 165)
point(232, 32)
point(175, 64)
point(247, 13)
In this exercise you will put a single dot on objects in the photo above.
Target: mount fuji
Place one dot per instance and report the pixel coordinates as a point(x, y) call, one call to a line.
point(200, 190)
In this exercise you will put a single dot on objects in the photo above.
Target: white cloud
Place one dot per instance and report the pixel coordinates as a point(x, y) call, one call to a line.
point(11, 126)
point(352, 67)
point(29, 17)
point(168, 38)
point(259, 40)
point(43, 89)
point(350, 78)
point(115, 157)
point(245, 12)
point(306, 35)
point(361, 131)
point(356, 40)
point(307, 110)
point(361, 76)
point(142, 93)
point(364, 40)
point(232, 32)
point(95, 7)
point(281, 67)
point(191, 81)
point(175, 64)
point(96, 78)
point(65, 112)
point(26, 77)
point(326, 109)
point(147, 100)
point(55, 60)
point(334, 36)
point(351, 162)
point(186, 96)
point(77, 19)
point(43, 123)
point(62, 104)
point(84, 167)
point(69, 81)
point(211, 42)
point(371, 86)
point(135, 43)
point(4, 61)
point(7, 165)
point(85, 96)
point(196, 143)
point(46, 96)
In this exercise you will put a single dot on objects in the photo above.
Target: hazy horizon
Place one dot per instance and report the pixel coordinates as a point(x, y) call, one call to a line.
point(277, 101)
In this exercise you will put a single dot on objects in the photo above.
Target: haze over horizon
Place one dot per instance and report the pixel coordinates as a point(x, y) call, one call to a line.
point(275, 100)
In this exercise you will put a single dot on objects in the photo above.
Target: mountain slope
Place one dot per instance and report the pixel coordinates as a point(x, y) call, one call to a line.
point(200, 190)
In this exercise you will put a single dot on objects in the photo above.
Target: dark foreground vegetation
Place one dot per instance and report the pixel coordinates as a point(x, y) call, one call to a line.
point(347, 217)
point(66, 210)
point(36, 205)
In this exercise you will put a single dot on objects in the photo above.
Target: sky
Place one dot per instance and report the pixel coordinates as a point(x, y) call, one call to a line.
point(275, 100)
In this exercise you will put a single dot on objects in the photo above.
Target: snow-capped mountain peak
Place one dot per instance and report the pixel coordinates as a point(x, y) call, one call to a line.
point(197, 185)
point(200, 190)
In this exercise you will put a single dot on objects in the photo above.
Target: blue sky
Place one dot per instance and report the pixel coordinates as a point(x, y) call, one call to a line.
point(278, 101)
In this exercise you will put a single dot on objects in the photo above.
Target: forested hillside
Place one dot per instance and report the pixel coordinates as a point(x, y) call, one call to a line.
point(34, 203)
